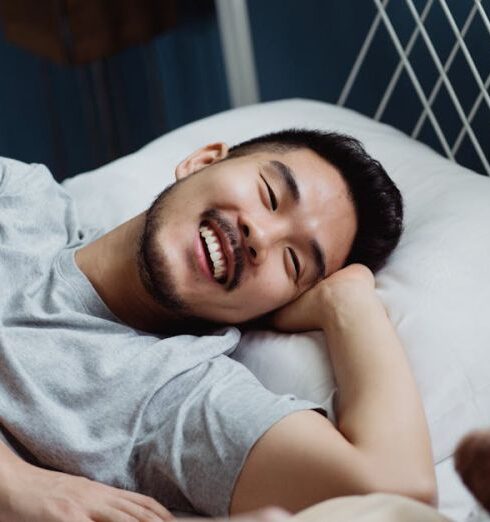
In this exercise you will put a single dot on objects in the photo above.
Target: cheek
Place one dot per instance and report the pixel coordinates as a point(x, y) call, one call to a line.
point(259, 295)
point(268, 291)
point(231, 191)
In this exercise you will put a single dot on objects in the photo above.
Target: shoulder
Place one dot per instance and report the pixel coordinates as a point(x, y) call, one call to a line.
point(38, 215)
point(17, 176)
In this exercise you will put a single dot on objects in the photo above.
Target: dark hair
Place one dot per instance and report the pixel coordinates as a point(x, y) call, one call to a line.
point(378, 202)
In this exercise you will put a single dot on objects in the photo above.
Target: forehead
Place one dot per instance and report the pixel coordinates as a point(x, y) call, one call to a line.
point(315, 177)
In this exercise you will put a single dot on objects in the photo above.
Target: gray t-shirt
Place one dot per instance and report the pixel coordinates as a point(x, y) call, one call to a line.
point(83, 393)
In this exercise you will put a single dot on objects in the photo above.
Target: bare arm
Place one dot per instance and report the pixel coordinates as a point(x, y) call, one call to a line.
point(382, 443)
point(379, 408)
point(32, 494)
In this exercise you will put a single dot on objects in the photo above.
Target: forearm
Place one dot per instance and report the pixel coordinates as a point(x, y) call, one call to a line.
point(10, 466)
point(39, 495)
point(9, 461)
point(378, 406)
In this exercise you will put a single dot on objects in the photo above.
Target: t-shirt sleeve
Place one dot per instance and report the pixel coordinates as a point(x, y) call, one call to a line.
point(18, 179)
point(36, 213)
point(219, 413)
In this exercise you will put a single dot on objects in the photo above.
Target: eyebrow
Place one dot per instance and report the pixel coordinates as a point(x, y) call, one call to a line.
point(289, 180)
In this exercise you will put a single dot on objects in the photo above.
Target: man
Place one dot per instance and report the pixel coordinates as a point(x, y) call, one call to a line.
point(100, 376)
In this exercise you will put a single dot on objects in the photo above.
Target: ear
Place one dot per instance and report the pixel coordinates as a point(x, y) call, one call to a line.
point(201, 158)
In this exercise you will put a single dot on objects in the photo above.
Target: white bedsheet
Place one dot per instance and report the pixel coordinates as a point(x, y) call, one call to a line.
point(436, 286)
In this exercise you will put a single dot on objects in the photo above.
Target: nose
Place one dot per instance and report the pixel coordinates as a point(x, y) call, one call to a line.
point(259, 238)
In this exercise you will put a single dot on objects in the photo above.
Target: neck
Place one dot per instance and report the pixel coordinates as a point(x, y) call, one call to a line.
point(111, 265)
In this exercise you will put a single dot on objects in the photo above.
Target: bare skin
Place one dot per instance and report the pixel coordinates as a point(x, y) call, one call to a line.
point(36, 495)
point(237, 189)
point(382, 443)
point(32, 494)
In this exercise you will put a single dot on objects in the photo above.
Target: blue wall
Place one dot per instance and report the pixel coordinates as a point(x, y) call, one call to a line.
point(306, 48)
point(76, 118)
point(79, 117)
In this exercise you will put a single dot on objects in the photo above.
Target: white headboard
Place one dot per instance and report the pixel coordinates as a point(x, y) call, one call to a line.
point(382, 19)
point(241, 70)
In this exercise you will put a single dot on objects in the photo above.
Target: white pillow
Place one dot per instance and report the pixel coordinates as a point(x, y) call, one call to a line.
point(436, 285)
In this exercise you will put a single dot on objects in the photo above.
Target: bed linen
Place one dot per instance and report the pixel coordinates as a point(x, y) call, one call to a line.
point(436, 285)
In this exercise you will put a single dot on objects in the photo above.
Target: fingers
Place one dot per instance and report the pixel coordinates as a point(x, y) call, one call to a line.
point(121, 505)
point(148, 503)
point(355, 271)
point(137, 511)
point(114, 515)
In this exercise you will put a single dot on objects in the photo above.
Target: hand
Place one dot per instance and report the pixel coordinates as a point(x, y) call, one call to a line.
point(38, 495)
point(309, 310)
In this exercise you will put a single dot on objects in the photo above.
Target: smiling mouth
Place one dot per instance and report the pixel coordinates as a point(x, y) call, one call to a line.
point(214, 251)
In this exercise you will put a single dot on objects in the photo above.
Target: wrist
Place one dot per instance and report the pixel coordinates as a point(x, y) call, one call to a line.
point(346, 304)
point(11, 467)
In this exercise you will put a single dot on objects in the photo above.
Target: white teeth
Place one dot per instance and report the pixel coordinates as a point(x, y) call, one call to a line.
point(214, 248)
point(204, 231)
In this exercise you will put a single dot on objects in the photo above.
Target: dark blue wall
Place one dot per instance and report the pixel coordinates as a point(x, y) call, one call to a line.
point(76, 118)
point(79, 117)
point(306, 48)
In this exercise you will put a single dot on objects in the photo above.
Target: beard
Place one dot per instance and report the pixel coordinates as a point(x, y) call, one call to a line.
point(153, 266)
point(155, 269)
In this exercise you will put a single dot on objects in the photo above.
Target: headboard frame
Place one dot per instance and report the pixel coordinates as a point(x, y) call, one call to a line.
point(451, 147)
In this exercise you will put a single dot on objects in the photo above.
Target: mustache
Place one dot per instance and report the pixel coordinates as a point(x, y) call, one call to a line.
point(233, 237)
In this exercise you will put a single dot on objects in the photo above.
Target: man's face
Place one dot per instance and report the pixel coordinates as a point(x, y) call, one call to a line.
point(267, 215)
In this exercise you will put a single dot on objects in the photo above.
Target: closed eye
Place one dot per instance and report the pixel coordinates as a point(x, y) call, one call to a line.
point(272, 196)
point(294, 258)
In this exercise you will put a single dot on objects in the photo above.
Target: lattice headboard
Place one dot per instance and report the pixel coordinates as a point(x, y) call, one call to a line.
point(480, 103)
point(453, 23)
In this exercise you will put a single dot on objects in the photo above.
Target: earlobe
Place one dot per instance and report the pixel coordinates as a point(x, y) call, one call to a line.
point(201, 158)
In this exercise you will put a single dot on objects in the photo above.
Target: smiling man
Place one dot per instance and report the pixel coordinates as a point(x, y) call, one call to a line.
point(264, 228)
point(126, 378)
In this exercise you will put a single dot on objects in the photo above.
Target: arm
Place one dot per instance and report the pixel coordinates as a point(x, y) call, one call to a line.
point(38, 495)
point(382, 443)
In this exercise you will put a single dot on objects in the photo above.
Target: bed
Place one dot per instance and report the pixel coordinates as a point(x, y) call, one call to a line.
point(436, 286)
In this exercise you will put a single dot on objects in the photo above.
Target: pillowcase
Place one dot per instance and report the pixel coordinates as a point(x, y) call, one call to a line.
point(436, 285)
